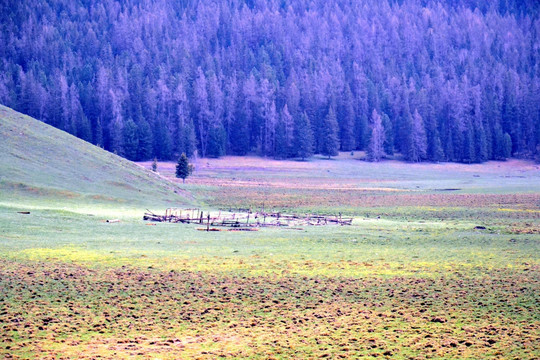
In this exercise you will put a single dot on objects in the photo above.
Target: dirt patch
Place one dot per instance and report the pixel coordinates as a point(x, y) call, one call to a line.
point(46, 308)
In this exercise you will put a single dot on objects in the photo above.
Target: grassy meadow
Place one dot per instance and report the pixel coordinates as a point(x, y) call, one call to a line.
point(441, 262)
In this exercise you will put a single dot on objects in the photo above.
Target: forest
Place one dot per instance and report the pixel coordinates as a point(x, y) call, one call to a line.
point(439, 80)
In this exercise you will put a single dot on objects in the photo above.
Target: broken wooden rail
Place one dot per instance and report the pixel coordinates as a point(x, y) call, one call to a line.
point(245, 220)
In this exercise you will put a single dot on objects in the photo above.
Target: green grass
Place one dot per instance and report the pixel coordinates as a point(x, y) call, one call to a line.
point(413, 278)
point(43, 167)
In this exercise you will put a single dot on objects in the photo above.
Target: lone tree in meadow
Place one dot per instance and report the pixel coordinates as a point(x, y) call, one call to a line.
point(183, 168)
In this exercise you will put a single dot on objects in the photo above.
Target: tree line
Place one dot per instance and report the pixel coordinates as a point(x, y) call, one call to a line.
point(432, 80)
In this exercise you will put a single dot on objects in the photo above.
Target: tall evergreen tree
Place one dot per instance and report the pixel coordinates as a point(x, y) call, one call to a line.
point(281, 150)
point(162, 141)
point(145, 148)
point(468, 150)
point(189, 140)
point(303, 137)
point(388, 144)
point(216, 141)
point(183, 169)
point(347, 142)
point(98, 134)
point(83, 128)
point(375, 150)
point(507, 146)
point(330, 137)
point(288, 127)
point(116, 138)
point(416, 145)
point(131, 140)
point(202, 111)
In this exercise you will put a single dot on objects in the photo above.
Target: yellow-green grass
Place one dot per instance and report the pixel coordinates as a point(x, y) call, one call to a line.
point(411, 279)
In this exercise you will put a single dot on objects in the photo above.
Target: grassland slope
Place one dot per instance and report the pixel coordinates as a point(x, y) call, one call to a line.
point(43, 166)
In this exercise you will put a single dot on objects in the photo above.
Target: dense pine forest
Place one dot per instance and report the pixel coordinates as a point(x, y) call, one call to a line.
point(430, 80)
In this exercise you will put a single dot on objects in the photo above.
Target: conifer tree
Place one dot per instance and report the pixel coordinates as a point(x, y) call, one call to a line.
point(388, 135)
point(84, 129)
point(375, 148)
point(216, 141)
point(144, 152)
point(347, 122)
point(281, 149)
point(116, 139)
point(416, 142)
point(469, 154)
point(288, 126)
point(507, 146)
point(98, 134)
point(183, 168)
point(503, 144)
point(189, 139)
point(162, 141)
point(131, 140)
point(303, 137)
point(330, 138)
point(434, 147)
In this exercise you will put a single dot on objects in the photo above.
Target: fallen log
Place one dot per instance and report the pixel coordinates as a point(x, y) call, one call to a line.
point(209, 229)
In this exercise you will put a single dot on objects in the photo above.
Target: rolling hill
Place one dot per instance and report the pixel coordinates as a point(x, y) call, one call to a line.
point(46, 167)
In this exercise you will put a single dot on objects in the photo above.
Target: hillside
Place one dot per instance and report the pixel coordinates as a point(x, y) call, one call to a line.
point(39, 163)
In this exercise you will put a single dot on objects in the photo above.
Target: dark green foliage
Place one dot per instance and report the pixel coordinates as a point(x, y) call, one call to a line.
point(84, 129)
point(507, 146)
point(362, 132)
point(281, 146)
point(85, 72)
point(303, 137)
point(416, 140)
point(480, 142)
point(503, 144)
point(216, 141)
point(329, 145)
point(375, 150)
point(116, 138)
point(240, 138)
point(347, 142)
point(469, 153)
point(162, 141)
point(435, 151)
point(183, 168)
point(189, 139)
point(98, 134)
point(145, 150)
point(388, 135)
point(131, 140)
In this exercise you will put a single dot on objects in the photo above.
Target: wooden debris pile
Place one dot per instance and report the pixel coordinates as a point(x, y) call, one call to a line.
point(244, 219)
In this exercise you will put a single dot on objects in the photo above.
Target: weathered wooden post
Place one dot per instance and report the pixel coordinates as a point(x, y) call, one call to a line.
point(208, 223)
point(200, 220)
